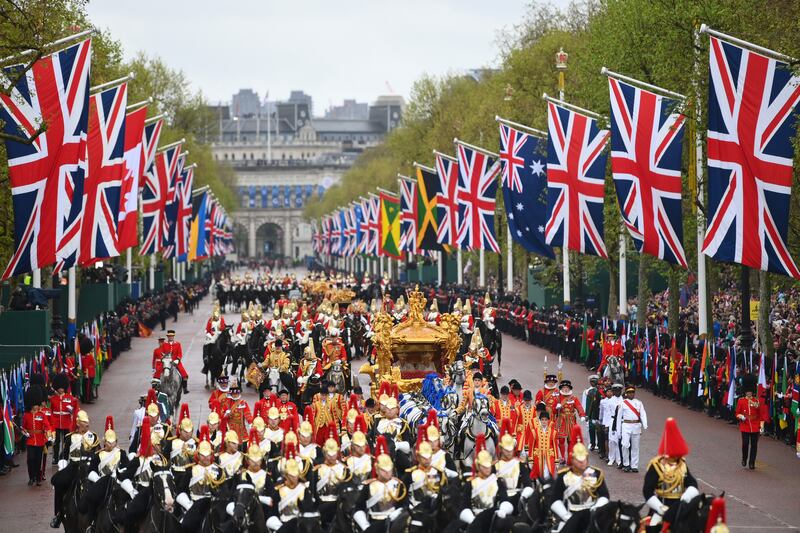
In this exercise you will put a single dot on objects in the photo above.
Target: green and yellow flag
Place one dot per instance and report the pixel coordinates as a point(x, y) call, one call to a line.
point(390, 226)
point(427, 213)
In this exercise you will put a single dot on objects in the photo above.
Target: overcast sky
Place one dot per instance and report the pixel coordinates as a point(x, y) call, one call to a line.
point(331, 49)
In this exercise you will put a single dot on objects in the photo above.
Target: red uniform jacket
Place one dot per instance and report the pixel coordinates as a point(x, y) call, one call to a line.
point(37, 426)
point(69, 368)
point(177, 351)
point(88, 363)
point(156, 357)
point(65, 409)
point(210, 329)
point(751, 411)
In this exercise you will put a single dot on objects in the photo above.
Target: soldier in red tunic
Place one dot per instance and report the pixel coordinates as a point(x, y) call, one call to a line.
point(237, 415)
point(177, 358)
point(549, 394)
point(568, 409)
point(157, 353)
point(36, 430)
point(64, 407)
point(751, 423)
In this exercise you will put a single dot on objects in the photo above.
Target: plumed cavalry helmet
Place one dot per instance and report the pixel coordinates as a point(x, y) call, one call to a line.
point(383, 460)
point(185, 419)
point(110, 435)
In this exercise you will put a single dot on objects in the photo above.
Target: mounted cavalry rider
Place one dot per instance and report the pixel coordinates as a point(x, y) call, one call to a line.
point(309, 366)
point(424, 481)
point(141, 470)
point(383, 496)
point(327, 476)
point(485, 493)
point(215, 325)
point(205, 478)
point(80, 447)
point(668, 481)
point(515, 473)
point(359, 462)
point(293, 493)
point(111, 459)
point(175, 348)
point(579, 489)
point(180, 449)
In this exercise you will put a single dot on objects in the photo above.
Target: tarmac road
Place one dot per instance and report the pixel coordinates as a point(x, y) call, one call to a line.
point(765, 499)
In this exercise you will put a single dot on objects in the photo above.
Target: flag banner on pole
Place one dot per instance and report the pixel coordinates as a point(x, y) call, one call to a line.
point(127, 228)
point(347, 231)
point(47, 175)
point(341, 247)
point(390, 226)
point(358, 224)
point(171, 208)
point(210, 233)
point(477, 189)
point(576, 166)
point(524, 161)
point(336, 234)
point(646, 147)
point(197, 233)
point(184, 218)
point(315, 237)
point(408, 215)
point(150, 195)
point(374, 225)
point(428, 190)
point(751, 124)
point(105, 171)
point(447, 200)
point(154, 199)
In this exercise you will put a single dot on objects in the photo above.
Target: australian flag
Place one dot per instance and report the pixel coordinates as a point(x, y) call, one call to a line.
point(524, 158)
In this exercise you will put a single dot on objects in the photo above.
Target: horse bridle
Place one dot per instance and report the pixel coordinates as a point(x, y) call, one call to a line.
point(162, 475)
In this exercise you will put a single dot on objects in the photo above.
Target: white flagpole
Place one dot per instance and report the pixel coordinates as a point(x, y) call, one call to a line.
point(623, 275)
point(128, 262)
point(36, 278)
point(482, 280)
point(71, 300)
point(510, 261)
point(152, 268)
point(702, 318)
point(441, 268)
point(460, 262)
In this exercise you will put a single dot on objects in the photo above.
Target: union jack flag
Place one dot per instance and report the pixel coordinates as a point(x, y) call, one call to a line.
point(576, 164)
point(336, 234)
point(326, 235)
point(106, 168)
point(349, 231)
point(171, 208)
point(316, 237)
point(646, 145)
point(447, 200)
point(363, 226)
point(477, 188)
point(150, 200)
point(184, 219)
point(373, 224)
point(219, 230)
point(408, 216)
point(511, 143)
point(154, 199)
point(47, 175)
point(750, 129)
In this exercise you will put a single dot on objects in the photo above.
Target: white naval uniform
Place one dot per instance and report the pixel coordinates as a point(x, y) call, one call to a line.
point(614, 456)
point(631, 430)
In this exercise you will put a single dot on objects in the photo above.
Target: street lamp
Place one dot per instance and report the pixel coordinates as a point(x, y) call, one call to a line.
point(561, 66)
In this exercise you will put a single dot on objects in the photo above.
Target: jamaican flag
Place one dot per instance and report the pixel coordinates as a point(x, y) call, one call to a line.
point(390, 225)
point(428, 187)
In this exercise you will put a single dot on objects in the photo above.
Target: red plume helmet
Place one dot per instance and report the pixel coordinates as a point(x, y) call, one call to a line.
point(672, 442)
point(145, 449)
point(289, 451)
point(395, 390)
point(184, 413)
point(352, 403)
point(308, 415)
point(253, 437)
point(381, 448)
point(433, 419)
point(109, 422)
point(480, 445)
point(576, 438)
point(204, 434)
point(332, 433)
point(505, 427)
point(384, 389)
point(152, 397)
point(291, 423)
point(716, 515)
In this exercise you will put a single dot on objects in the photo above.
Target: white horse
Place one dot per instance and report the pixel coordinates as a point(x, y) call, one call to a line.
point(171, 382)
point(614, 370)
point(475, 421)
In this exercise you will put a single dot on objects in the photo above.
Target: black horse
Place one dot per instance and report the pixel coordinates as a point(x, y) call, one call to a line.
point(346, 502)
point(215, 355)
point(74, 520)
point(110, 514)
point(533, 513)
point(160, 517)
point(248, 513)
point(690, 516)
point(616, 517)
